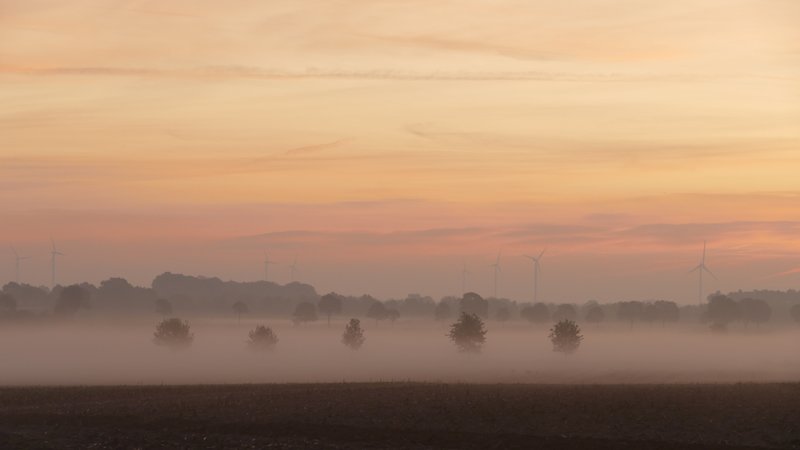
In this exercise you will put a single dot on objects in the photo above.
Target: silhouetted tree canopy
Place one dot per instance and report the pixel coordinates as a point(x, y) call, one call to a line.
point(472, 303)
point(305, 312)
point(666, 311)
point(173, 333)
point(262, 338)
point(566, 336)
point(722, 310)
point(630, 311)
point(377, 311)
point(468, 333)
point(537, 313)
point(330, 304)
point(755, 311)
point(565, 311)
point(70, 300)
point(595, 314)
point(353, 336)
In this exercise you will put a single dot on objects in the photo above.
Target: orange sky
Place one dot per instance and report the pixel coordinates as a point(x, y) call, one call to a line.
point(383, 143)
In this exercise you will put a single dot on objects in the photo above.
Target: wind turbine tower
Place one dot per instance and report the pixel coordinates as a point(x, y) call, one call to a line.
point(53, 255)
point(700, 269)
point(464, 273)
point(17, 260)
point(293, 270)
point(536, 268)
point(267, 263)
point(496, 267)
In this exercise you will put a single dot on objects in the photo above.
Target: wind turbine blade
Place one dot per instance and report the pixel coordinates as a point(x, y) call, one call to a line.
point(529, 257)
point(699, 267)
point(542, 254)
point(14, 251)
point(704, 252)
point(710, 272)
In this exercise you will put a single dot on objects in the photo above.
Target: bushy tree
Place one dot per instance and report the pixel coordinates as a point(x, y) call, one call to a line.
point(353, 335)
point(595, 314)
point(262, 338)
point(70, 300)
point(330, 304)
point(392, 315)
point(377, 311)
point(163, 307)
point(537, 313)
point(666, 311)
point(472, 303)
point(240, 308)
point(305, 312)
point(468, 333)
point(174, 333)
point(722, 310)
point(442, 311)
point(566, 336)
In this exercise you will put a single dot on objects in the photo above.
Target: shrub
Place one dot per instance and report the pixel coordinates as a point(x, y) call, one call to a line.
point(173, 333)
point(468, 333)
point(353, 335)
point(262, 338)
point(566, 336)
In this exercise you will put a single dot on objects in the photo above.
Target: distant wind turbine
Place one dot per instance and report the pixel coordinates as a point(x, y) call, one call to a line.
point(700, 269)
point(267, 263)
point(464, 273)
point(536, 268)
point(496, 267)
point(53, 255)
point(17, 260)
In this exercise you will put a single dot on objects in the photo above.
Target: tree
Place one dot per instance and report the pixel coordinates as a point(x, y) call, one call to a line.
point(630, 311)
point(70, 300)
point(795, 313)
point(163, 307)
point(566, 337)
point(666, 311)
point(442, 311)
point(392, 314)
point(353, 335)
point(173, 333)
point(722, 310)
point(755, 311)
point(472, 303)
point(502, 314)
point(595, 314)
point(330, 304)
point(468, 333)
point(538, 313)
point(240, 308)
point(8, 304)
point(565, 311)
point(377, 311)
point(305, 312)
point(262, 338)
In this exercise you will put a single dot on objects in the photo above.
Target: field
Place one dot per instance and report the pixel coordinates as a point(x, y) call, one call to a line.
point(403, 416)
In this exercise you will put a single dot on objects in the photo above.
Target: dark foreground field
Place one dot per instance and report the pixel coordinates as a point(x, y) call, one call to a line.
point(403, 416)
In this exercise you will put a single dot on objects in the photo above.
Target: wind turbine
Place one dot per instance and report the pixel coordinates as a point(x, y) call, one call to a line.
point(496, 267)
point(267, 263)
point(536, 268)
point(293, 269)
point(464, 273)
point(17, 260)
point(700, 269)
point(53, 254)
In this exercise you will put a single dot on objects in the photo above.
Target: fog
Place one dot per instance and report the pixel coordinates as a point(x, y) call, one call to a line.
point(100, 351)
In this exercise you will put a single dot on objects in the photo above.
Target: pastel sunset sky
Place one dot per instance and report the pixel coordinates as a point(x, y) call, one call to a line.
point(385, 143)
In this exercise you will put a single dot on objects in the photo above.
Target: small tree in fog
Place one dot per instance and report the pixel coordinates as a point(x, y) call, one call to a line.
point(442, 312)
point(173, 333)
point(537, 313)
point(392, 315)
point(330, 304)
point(240, 308)
point(566, 337)
point(262, 338)
point(377, 311)
point(795, 313)
point(353, 335)
point(304, 312)
point(595, 314)
point(468, 333)
point(163, 307)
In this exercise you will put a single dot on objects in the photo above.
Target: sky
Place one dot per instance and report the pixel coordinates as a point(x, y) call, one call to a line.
point(385, 145)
